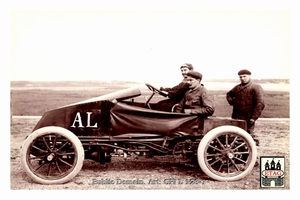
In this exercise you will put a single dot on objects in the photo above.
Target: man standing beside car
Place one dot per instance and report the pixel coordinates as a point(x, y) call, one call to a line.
point(247, 99)
point(177, 92)
point(197, 100)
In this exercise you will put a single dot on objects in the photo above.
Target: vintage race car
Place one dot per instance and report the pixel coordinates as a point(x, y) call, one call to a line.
point(123, 123)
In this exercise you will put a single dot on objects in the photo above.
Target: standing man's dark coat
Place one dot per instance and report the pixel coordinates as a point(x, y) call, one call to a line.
point(247, 100)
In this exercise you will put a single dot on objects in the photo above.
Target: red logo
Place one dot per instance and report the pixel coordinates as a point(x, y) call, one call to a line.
point(272, 173)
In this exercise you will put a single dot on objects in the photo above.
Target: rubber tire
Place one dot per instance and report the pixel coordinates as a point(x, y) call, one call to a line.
point(78, 148)
point(216, 132)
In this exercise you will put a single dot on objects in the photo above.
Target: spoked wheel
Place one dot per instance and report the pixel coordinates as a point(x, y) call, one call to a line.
point(227, 153)
point(52, 155)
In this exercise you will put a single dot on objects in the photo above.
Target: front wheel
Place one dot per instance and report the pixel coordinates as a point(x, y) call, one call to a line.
point(227, 153)
point(52, 155)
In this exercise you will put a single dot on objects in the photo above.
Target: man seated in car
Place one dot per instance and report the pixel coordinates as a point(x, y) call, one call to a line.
point(196, 100)
point(176, 93)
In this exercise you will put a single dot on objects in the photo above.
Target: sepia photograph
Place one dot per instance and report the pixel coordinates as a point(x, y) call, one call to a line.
point(150, 96)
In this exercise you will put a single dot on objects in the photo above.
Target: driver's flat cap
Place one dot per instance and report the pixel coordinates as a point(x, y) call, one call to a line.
point(244, 71)
point(187, 65)
point(195, 75)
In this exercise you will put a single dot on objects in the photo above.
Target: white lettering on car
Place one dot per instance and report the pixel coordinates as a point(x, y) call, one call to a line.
point(79, 121)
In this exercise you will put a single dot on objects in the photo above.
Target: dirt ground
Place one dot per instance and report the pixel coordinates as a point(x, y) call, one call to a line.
point(274, 139)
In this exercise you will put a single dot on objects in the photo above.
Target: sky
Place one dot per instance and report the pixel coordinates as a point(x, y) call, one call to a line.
point(148, 44)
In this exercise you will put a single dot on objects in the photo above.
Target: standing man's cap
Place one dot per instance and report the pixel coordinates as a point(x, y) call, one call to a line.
point(195, 75)
point(187, 65)
point(244, 71)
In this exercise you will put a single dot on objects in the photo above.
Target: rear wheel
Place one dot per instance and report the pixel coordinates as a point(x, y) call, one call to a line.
point(52, 155)
point(227, 153)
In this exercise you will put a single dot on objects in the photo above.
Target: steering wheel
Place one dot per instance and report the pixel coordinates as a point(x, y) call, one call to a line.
point(155, 90)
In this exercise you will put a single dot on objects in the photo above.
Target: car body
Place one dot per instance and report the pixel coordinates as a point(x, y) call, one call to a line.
point(122, 123)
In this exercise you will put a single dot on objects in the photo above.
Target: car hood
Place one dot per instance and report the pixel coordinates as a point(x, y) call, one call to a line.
point(118, 95)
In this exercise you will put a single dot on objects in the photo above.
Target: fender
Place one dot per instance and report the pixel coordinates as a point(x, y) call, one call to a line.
point(213, 122)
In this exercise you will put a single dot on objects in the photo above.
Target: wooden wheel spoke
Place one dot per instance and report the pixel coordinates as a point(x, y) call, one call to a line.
point(65, 162)
point(57, 166)
point(234, 164)
point(46, 143)
point(220, 143)
point(226, 140)
point(220, 167)
point(234, 140)
point(214, 154)
point(54, 143)
point(217, 160)
point(241, 160)
point(37, 157)
point(63, 145)
point(243, 144)
point(49, 169)
point(44, 151)
point(215, 148)
point(68, 153)
point(228, 168)
point(39, 167)
point(241, 153)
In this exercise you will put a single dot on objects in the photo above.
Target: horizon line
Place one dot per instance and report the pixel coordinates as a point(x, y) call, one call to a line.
point(141, 81)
